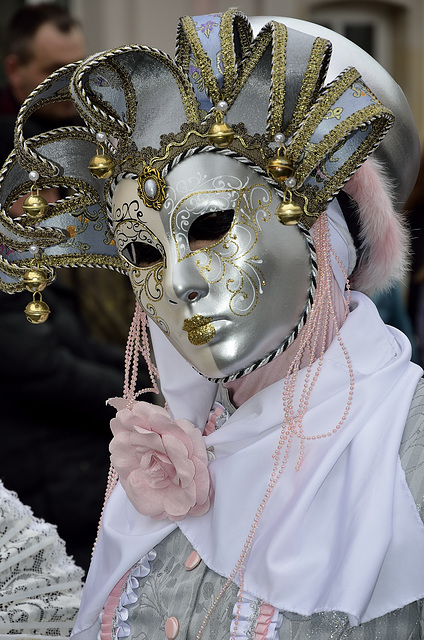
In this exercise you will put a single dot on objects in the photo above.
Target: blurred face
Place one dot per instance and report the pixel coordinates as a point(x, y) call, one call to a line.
point(217, 272)
point(51, 49)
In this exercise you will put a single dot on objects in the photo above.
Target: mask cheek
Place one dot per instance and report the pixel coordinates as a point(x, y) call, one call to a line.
point(148, 290)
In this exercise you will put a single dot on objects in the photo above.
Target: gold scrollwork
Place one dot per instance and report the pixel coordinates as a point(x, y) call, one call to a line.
point(337, 113)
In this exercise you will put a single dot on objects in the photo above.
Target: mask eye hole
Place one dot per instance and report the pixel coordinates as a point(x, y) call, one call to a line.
point(209, 228)
point(141, 254)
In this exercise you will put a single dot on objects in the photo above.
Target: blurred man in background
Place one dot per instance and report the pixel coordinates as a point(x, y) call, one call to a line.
point(39, 39)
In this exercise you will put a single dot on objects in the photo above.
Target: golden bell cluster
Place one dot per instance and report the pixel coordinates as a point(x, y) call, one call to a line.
point(36, 311)
point(280, 169)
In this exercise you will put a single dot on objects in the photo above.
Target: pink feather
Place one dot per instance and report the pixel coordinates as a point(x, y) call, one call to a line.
point(384, 237)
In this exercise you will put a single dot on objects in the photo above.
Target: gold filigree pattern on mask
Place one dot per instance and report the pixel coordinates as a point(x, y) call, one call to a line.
point(146, 281)
point(231, 258)
point(151, 311)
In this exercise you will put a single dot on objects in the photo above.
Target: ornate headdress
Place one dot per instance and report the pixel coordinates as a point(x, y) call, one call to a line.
point(261, 100)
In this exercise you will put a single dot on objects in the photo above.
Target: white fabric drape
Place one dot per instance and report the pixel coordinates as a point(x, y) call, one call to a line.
point(342, 533)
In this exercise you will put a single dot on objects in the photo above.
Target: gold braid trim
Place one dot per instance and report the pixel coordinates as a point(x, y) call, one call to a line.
point(382, 118)
point(111, 124)
point(319, 111)
point(231, 20)
point(36, 235)
point(278, 79)
point(114, 263)
point(30, 106)
point(244, 31)
point(16, 270)
point(16, 245)
point(311, 84)
point(320, 198)
point(106, 117)
point(202, 59)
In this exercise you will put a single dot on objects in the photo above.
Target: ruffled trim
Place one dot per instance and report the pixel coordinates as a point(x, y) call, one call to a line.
point(256, 620)
point(40, 585)
point(114, 623)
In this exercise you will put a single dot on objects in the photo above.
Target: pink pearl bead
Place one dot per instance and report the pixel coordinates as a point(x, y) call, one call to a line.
point(192, 561)
point(172, 627)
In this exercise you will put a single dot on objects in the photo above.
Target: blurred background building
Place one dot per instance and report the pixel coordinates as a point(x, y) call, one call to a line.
point(390, 30)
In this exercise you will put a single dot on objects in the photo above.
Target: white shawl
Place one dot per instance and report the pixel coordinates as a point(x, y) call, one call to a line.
point(341, 534)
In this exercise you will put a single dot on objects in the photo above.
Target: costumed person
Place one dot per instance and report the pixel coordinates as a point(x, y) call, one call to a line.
point(40, 584)
point(249, 189)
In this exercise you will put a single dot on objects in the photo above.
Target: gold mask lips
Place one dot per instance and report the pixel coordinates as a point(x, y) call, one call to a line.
point(199, 329)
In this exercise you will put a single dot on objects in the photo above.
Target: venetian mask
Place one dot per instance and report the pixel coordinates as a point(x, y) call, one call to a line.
point(214, 268)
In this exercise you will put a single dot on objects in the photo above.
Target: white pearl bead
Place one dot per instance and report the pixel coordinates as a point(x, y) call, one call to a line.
point(33, 248)
point(291, 182)
point(33, 175)
point(280, 138)
point(222, 106)
point(151, 188)
point(100, 136)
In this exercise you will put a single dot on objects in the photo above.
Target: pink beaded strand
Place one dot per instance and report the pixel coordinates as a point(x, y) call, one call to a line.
point(313, 341)
point(137, 342)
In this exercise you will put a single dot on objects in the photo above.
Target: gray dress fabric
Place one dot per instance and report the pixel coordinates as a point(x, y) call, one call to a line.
point(170, 591)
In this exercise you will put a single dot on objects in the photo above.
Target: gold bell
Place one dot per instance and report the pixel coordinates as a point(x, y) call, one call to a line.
point(279, 167)
point(34, 280)
point(220, 134)
point(35, 205)
point(37, 311)
point(288, 213)
point(101, 166)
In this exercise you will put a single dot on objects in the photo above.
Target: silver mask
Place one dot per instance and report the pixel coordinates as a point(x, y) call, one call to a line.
point(214, 268)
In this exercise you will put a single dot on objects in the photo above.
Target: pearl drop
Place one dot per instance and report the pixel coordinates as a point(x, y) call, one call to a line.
point(222, 106)
point(291, 182)
point(33, 248)
point(151, 188)
point(280, 138)
point(100, 137)
point(33, 175)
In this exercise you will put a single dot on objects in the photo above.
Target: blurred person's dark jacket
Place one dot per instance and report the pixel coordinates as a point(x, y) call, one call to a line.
point(55, 379)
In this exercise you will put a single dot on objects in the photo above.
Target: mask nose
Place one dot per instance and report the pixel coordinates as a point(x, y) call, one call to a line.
point(183, 282)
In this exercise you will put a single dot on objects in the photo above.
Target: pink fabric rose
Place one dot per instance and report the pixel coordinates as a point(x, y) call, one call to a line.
point(162, 464)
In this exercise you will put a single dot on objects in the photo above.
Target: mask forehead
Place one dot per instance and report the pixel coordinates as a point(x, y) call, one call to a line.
point(224, 302)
